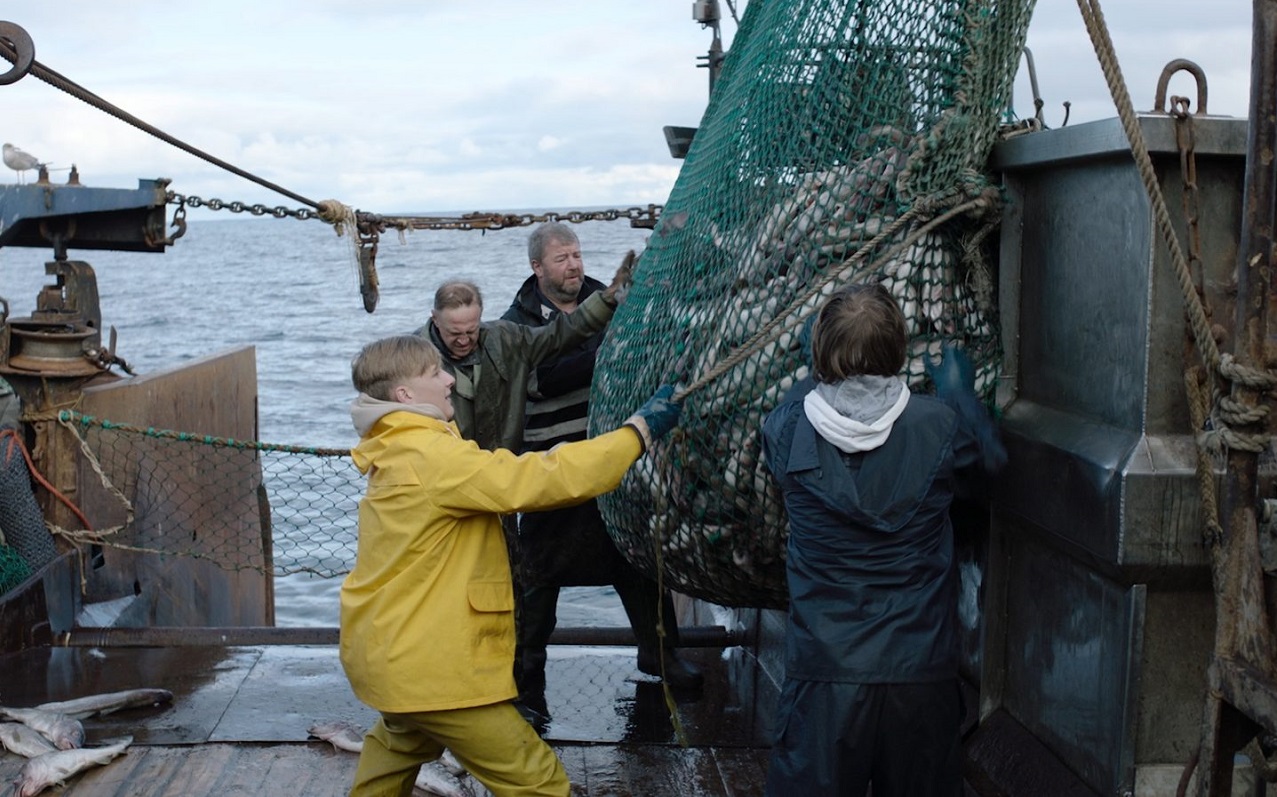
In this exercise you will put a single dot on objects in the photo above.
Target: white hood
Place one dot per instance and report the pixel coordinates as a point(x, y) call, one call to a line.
point(857, 414)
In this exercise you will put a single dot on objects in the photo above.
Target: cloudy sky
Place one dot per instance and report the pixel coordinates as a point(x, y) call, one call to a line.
point(508, 104)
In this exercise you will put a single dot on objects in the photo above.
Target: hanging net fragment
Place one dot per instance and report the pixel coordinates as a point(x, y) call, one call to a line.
point(845, 142)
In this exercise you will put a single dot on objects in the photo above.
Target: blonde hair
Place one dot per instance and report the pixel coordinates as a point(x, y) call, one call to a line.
point(384, 364)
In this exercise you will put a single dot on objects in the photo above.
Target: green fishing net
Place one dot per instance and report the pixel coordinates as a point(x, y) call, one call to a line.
point(845, 142)
point(13, 569)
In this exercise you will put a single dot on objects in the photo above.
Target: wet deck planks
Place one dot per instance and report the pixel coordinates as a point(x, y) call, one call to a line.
point(239, 719)
point(315, 769)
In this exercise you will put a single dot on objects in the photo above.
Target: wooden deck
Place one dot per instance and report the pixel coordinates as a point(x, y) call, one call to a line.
point(239, 722)
point(318, 770)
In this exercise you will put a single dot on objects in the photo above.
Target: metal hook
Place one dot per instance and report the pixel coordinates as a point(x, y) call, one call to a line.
point(153, 234)
point(23, 55)
point(1185, 65)
point(1037, 95)
point(1033, 85)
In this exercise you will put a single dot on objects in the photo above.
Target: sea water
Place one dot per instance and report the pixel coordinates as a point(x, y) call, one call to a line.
point(290, 289)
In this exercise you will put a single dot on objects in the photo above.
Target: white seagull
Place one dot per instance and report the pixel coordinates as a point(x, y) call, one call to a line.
point(20, 161)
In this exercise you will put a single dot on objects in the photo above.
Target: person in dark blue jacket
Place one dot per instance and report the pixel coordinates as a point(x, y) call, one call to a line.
point(868, 471)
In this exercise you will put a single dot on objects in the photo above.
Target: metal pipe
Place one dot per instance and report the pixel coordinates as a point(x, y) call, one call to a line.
point(715, 636)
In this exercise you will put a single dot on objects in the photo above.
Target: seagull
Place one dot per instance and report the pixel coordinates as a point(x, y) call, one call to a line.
point(20, 161)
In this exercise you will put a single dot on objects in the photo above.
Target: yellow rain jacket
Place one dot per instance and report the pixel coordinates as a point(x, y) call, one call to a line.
point(427, 613)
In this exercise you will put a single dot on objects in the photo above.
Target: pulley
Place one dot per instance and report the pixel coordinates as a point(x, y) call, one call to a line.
point(63, 336)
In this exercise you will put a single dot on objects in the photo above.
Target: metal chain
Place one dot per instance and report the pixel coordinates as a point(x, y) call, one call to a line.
point(16, 48)
point(1186, 142)
point(638, 216)
point(278, 211)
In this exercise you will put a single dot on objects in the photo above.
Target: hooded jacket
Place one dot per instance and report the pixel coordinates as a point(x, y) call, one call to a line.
point(427, 612)
point(870, 565)
point(492, 383)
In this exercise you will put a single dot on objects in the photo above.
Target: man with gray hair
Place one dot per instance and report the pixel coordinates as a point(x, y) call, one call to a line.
point(492, 360)
point(570, 546)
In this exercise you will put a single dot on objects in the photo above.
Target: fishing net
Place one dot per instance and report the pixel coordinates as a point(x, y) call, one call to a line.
point(845, 142)
point(20, 516)
point(239, 504)
point(13, 569)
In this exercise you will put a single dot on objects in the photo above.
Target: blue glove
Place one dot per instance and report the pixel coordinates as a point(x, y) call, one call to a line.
point(804, 336)
point(660, 413)
point(955, 375)
point(954, 379)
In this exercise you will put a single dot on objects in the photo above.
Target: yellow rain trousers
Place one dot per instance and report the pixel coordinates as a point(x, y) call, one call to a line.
point(427, 613)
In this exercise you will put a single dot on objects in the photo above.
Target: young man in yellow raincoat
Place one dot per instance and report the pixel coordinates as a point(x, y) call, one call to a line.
point(427, 613)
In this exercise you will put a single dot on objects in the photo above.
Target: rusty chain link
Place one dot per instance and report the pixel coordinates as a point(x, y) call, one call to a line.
point(638, 216)
point(16, 47)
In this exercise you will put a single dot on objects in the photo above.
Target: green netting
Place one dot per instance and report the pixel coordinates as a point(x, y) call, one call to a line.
point(239, 504)
point(845, 142)
point(13, 569)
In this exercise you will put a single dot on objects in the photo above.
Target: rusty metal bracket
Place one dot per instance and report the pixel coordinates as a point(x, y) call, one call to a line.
point(1180, 65)
point(152, 237)
point(60, 237)
point(19, 49)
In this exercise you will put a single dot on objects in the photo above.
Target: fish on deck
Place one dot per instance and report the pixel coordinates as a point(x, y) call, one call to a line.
point(49, 769)
point(65, 732)
point(442, 777)
point(23, 740)
point(98, 705)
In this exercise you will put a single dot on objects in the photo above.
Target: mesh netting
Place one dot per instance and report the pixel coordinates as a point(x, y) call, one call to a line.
point(13, 569)
point(845, 142)
point(217, 499)
point(20, 516)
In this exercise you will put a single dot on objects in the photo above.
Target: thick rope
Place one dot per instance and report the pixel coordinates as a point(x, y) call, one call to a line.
point(71, 416)
point(1229, 412)
point(786, 319)
point(1095, 27)
point(1224, 365)
point(1198, 406)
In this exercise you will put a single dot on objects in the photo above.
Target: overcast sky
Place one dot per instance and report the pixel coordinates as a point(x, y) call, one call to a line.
point(506, 104)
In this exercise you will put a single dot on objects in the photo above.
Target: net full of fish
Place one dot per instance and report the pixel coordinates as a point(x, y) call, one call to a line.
point(708, 487)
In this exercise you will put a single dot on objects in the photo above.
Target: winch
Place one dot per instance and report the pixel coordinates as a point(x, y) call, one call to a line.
point(63, 336)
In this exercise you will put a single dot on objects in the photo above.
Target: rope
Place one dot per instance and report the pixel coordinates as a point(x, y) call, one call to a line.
point(1225, 365)
point(14, 441)
point(671, 706)
point(68, 416)
point(1197, 408)
point(783, 322)
point(1230, 412)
